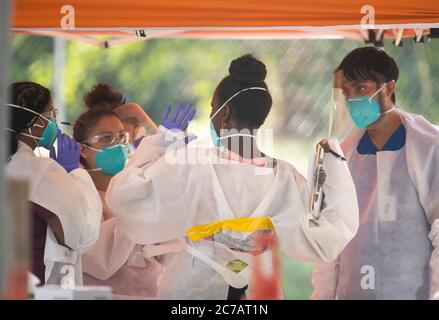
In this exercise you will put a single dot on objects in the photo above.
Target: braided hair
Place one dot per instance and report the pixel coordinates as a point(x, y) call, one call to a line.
point(29, 95)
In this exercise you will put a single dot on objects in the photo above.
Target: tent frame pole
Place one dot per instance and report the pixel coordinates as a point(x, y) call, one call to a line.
point(59, 62)
point(5, 16)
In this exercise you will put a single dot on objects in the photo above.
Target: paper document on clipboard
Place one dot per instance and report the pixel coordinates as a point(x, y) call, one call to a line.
point(316, 180)
point(316, 173)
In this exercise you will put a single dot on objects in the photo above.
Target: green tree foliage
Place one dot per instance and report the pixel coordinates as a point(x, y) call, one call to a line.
point(156, 73)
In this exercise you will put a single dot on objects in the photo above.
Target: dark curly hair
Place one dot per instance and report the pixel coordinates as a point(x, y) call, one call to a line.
point(103, 95)
point(369, 63)
point(29, 95)
point(250, 107)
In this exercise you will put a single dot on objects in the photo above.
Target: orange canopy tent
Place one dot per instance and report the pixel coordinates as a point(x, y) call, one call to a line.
point(130, 20)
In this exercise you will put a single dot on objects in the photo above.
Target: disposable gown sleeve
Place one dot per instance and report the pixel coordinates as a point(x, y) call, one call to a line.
point(428, 186)
point(92, 208)
point(155, 146)
point(78, 207)
point(434, 261)
point(110, 252)
point(74, 199)
point(324, 280)
point(133, 198)
point(323, 239)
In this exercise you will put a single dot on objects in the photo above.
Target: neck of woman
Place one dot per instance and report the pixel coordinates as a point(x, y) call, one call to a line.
point(28, 140)
point(100, 180)
point(245, 146)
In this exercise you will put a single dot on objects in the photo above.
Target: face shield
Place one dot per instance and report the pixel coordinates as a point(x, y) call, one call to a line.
point(357, 104)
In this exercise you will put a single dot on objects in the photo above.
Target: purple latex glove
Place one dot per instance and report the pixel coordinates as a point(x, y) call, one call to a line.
point(190, 138)
point(137, 142)
point(179, 120)
point(68, 152)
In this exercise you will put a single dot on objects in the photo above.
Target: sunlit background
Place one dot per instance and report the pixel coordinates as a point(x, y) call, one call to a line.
point(158, 73)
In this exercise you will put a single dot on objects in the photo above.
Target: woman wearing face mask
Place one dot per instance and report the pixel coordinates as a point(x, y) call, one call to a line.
point(64, 201)
point(114, 260)
point(136, 121)
point(220, 200)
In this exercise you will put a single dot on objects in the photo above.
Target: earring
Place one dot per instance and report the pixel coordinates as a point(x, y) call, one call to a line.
point(222, 128)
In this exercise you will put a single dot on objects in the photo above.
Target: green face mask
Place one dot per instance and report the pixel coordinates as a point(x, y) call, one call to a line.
point(213, 135)
point(49, 135)
point(111, 160)
point(365, 110)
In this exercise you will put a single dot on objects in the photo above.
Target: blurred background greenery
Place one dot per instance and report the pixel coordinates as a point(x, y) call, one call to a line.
point(157, 73)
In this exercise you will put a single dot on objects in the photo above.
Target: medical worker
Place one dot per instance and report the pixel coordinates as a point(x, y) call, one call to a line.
point(219, 200)
point(65, 205)
point(114, 260)
point(394, 161)
point(136, 121)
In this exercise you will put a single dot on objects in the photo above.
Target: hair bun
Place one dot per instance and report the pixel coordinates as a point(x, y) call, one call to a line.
point(247, 70)
point(103, 95)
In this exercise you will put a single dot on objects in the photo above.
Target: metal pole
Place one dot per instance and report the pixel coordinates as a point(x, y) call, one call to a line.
point(19, 239)
point(59, 60)
point(5, 14)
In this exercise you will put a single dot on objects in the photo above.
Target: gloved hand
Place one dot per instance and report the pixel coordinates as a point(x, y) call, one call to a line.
point(68, 152)
point(325, 145)
point(179, 120)
point(191, 137)
point(136, 142)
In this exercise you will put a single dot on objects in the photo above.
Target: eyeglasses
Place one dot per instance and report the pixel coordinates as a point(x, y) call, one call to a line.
point(48, 115)
point(109, 138)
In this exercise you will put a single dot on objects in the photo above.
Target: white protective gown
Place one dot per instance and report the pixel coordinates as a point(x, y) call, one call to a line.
point(395, 252)
point(155, 201)
point(131, 270)
point(73, 198)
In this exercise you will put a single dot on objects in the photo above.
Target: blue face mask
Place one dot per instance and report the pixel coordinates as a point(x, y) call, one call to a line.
point(111, 160)
point(214, 136)
point(365, 110)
